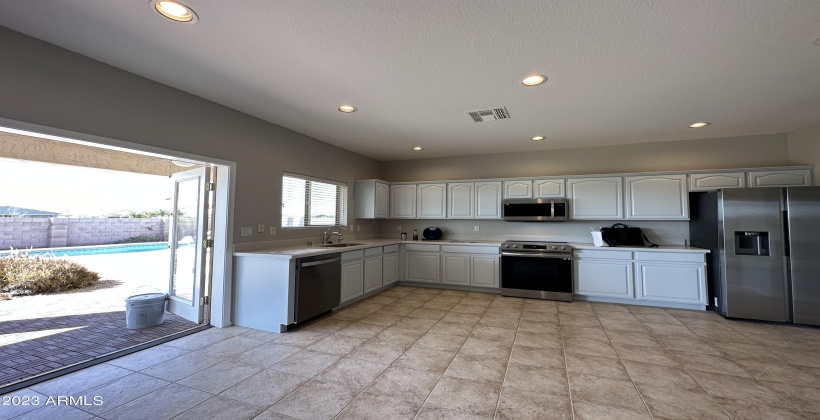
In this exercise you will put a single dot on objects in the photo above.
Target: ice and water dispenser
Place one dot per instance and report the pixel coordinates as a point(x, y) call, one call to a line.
point(752, 243)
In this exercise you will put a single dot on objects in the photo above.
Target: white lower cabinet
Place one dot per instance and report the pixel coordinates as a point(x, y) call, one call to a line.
point(422, 263)
point(657, 278)
point(352, 279)
point(455, 269)
point(603, 273)
point(676, 278)
point(390, 268)
point(372, 273)
point(484, 270)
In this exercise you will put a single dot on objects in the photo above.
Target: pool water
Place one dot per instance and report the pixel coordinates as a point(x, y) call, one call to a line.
point(94, 250)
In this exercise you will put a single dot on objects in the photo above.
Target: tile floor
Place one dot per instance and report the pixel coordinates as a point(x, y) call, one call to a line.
point(438, 354)
point(29, 347)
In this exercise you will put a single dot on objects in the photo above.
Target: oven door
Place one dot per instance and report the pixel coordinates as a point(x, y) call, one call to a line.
point(536, 276)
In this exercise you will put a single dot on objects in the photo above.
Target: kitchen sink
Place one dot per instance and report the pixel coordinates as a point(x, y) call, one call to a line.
point(339, 245)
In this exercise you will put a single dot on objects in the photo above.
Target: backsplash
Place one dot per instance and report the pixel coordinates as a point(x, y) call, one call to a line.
point(660, 232)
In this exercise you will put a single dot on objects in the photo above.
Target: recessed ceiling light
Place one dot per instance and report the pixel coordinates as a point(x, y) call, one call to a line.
point(699, 124)
point(348, 108)
point(534, 80)
point(417, 148)
point(538, 138)
point(174, 10)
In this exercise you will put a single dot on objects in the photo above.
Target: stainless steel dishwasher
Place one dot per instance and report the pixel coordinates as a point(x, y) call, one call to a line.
point(318, 285)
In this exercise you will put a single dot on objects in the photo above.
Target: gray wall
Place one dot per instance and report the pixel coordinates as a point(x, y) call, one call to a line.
point(47, 85)
point(804, 148)
point(729, 152)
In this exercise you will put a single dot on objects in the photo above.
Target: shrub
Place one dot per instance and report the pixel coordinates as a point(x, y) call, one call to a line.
point(21, 274)
point(143, 238)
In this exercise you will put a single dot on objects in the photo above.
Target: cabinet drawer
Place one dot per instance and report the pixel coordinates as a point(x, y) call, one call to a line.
point(609, 255)
point(373, 251)
point(422, 247)
point(672, 257)
point(391, 248)
point(469, 249)
point(352, 255)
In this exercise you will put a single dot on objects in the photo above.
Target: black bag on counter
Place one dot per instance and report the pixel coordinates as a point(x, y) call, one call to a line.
point(622, 235)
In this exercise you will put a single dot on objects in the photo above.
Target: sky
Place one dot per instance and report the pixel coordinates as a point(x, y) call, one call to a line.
point(79, 191)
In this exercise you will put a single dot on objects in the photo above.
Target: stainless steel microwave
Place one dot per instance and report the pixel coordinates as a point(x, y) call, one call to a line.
point(535, 209)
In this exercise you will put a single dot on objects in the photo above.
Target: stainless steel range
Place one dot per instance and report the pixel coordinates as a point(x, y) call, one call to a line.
point(539, 270)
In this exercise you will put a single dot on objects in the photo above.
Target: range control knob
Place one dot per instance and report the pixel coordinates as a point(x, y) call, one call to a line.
point(515, 246)
point(554, 247)
point(563, 248)
point(506, 245)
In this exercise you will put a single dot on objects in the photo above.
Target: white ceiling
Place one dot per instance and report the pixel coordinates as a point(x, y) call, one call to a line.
point(620, 71)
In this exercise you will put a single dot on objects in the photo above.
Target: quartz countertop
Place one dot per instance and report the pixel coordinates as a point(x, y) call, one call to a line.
point(662, 248)
point(309, 251)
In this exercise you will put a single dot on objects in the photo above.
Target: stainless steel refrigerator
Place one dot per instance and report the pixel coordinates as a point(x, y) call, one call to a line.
point(765, 251)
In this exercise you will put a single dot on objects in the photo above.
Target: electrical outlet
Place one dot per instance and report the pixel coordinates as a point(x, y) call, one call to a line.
point(273, 230)
point(398, 227)
point(247, 231)
point(476, 228)
point(350, 228)
point(260, 228)
point(359, 228)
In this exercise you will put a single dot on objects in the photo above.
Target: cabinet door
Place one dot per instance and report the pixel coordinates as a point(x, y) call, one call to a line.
point(596, 198)
point(372, 273)
point(657, 197)
point(784, 178)
point(518, 189)
point(678, 283)
point(603, 278)
point(547, 188)
point(460, 200)
point(708, 182)
point(455, 269)
point(403, 201)
point(382, 200)
point(485, 270)
point(421, 266)
point(431, 201)
point(352, 276)
point(390, 268)
point(488, 200)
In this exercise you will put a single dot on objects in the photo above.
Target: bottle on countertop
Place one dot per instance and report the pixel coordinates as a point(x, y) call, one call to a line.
point(415, 235)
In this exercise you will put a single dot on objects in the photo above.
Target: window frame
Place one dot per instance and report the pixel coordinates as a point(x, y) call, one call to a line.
point(341, 212)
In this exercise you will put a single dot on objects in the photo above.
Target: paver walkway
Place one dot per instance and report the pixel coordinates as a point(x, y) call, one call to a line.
point(46, 332)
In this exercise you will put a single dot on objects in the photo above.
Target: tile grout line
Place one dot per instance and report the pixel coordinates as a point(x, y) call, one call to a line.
point(451, 361)
point(634, 385)
point(681, 365)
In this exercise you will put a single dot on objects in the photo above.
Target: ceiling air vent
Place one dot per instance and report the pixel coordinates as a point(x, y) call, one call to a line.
point(489, 114)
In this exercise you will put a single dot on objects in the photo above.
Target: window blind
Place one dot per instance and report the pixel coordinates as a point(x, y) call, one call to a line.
point(310, 201)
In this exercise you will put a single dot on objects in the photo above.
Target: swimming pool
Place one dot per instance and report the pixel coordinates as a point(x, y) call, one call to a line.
point(93, 250)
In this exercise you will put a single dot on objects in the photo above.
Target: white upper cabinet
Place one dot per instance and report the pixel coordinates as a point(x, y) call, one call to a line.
point(713, 181)
point(372, 199)
point(403, 201)
point(431, 201)
point(518, 189)
point(488, 200)
point(596, 198)
point(461, 200)
point(547, 188)
point(785, 178)
point(657, 197)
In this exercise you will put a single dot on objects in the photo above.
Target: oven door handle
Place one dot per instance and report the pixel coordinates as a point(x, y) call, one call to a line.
point(521, 254)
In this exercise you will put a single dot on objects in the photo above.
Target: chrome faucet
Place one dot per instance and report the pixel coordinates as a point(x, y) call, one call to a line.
point(326, 238)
